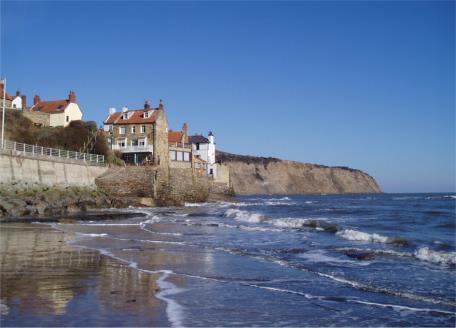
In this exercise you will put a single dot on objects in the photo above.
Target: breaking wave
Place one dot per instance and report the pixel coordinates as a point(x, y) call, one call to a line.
point(245, 216)
point(355, 235)
point(429, 255)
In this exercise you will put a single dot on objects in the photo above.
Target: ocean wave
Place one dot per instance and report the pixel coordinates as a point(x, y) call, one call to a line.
point(91, 234)
point(108, 224)
point(429, 255)
point(356, 235)
point(248, 228)
point(245, 216)
point(318, 256)
point(450, 196)
point(289, 222)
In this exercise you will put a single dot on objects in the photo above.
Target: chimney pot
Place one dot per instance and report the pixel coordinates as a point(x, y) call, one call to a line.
point(72, 97)
point(36, 99)
point(147, 104)
point(161, 105)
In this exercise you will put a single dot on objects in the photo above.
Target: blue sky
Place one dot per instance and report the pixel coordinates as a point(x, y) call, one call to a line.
point(368, 85)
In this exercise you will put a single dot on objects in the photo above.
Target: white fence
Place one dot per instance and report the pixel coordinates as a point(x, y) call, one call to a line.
point(134, 149)
point(33, 150)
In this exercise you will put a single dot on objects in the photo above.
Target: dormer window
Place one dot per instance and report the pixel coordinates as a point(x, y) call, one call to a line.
point(125, 116)
point(146, 114)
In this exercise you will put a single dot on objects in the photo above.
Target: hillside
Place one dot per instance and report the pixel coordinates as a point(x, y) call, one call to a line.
point(267, 175)
point(77, 136)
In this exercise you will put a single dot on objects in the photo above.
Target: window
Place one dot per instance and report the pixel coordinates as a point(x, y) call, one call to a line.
point(122, 143)
point(125, 116)
point(122, 130)
point(142, 142)
point(146, 115)
point(134, 142)
point(172, 155)
point(143, 129)
point(186, 157)
point(14, 106)
point(67, 118)
point(179, 156)
point(197, 146)
point(133, 129)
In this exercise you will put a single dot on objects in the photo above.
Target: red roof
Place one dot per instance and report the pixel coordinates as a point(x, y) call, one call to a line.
point(56, 106)
point(136, 116)
point(175, 136)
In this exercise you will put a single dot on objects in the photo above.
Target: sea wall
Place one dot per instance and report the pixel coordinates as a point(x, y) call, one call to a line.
point(153, 185)
point(258, 175)
point(46, 171)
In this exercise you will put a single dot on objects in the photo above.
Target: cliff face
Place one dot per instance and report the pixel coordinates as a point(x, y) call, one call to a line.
point(260, 175)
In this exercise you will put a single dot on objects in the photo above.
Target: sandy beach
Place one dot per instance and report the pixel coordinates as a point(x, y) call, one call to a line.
point(46, 282)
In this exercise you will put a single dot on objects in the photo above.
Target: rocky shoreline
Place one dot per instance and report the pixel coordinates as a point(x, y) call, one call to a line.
point(22, 201)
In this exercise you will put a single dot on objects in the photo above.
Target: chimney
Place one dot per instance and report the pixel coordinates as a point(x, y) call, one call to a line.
point(72, 97)
point(124, 109)
point(161, 106)
point(147, 104)
point(24, 102)
point(185, 132)
point(36, 99)
point(18, 93)
point(2, 88)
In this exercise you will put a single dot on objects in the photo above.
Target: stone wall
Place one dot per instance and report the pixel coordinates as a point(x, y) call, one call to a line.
point(42, 119)
point(46, 171)
point(174, 187)
point(161, 151)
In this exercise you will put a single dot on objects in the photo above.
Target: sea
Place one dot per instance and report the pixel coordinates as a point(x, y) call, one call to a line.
point(312, 260)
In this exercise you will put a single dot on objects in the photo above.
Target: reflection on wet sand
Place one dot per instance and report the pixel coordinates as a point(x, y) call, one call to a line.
point(46, 282)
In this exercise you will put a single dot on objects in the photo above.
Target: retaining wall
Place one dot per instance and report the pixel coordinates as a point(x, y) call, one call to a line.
point(47, 171)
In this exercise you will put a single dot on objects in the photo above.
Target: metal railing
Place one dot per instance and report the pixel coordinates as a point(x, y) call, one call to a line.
point(179, 145)
point(33, 150)
point(134, 149)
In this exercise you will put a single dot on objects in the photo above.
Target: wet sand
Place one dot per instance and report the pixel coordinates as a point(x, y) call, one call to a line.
point(45, 282)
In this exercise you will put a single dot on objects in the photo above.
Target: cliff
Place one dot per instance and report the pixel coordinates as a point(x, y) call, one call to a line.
point(266, 175)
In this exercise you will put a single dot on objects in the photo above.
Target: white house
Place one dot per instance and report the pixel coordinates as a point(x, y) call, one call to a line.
point(55, 112)
point(204, 148)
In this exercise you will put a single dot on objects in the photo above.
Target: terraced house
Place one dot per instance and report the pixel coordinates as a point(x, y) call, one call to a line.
point(141, 135)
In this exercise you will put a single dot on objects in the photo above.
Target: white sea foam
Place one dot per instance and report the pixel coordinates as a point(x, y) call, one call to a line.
point(174, 310)
point(92, 234)
point(450, 196)
point(289, 222)
point(246, 216)
point(109, 224)
point(429, 255)
point(351, 234)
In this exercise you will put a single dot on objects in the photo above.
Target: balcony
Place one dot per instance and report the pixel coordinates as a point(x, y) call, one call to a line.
point(179, 145)
point(134, 149)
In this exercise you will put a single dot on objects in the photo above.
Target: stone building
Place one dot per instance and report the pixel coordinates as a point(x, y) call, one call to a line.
point(141, 135)
point(54, 112)
point(180, 150)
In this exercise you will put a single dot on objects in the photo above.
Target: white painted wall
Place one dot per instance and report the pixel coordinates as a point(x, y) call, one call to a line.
point(17, 103)
point(60, 119)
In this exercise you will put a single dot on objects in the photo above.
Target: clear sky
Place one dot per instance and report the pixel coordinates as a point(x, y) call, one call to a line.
point(370, 85)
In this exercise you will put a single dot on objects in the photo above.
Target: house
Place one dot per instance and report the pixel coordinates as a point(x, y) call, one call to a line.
point(11, 102)
point(180, 150)
point(141, 135)
point(55, 112)
point(204, 149)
